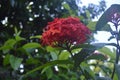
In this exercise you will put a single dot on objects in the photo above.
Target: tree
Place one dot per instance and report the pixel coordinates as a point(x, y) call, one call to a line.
point(23, 57)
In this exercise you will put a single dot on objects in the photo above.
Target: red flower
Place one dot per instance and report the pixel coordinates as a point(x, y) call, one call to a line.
point(65, 30)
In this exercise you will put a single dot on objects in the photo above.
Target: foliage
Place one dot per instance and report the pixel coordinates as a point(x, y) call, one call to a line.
point(23, 57)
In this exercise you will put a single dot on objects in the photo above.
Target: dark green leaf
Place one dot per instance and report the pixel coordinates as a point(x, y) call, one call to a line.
point(32, 61)
point(82, 55)
point(106, 17)
point(112, 44)
point(6, 60)
point(98, 45)
point(97, 57)
point(86, 52)
point(82, 46)
point(51, 63)
point(49, 73)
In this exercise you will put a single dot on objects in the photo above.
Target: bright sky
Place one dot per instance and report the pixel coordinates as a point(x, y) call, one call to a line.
point(102, 36)
point(108, 2)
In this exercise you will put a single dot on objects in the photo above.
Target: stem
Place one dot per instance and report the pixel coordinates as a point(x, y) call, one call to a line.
point(72, 56)
point(117, 51)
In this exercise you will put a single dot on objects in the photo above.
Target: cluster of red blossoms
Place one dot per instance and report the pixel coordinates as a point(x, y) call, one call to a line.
point(63, 30)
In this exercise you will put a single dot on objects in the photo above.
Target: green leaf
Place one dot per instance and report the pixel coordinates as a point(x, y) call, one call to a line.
point(53, 49)
point(86, 68)
point(88, 14)
point(9, 44)
point(108, 52)
point(6, 60)
point(97, 57)
point(106, 69)
point(86, 52)
point(37, 36)
point(105, 18)
point(18, 38)
point(64, 55)
point(82, 46)
point(17, 33)
point(15, 62)
point(51, 63)
point(98, 45)
point(31, 45)
point(32, 61)
point(115, 77)
point(66, 6)
point(91, 25)
point(82, 55)
point(54, 55)
point(49, 73)
point(44, 69)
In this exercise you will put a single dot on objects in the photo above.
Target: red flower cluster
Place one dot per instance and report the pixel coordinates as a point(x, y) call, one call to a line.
point(64, 30)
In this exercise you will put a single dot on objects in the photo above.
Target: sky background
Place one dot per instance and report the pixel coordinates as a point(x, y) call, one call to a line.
point(102, 36)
